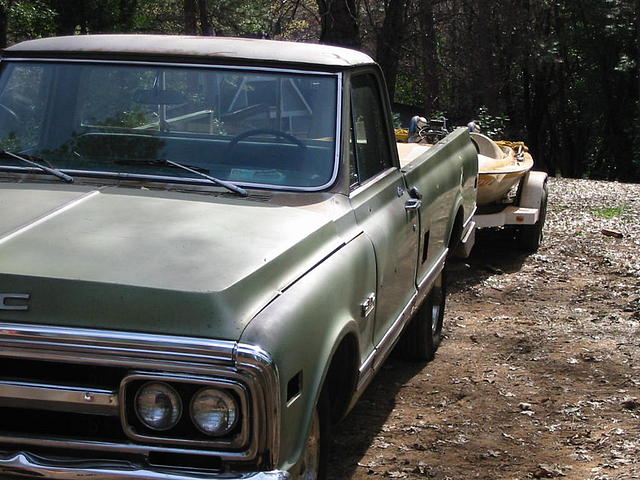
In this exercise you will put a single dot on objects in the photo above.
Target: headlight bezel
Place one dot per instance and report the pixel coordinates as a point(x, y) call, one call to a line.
point(189, 435)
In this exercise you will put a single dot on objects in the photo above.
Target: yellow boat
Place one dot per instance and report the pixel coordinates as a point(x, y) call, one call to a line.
point(500, 167)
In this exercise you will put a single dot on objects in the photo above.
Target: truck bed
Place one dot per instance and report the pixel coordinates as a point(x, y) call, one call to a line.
point(410, 151)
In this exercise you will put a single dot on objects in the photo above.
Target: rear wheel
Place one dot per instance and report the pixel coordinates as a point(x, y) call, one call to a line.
point(530, 236)
point(423, 334)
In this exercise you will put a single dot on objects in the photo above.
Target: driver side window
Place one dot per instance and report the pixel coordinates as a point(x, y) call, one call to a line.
point(370, 149)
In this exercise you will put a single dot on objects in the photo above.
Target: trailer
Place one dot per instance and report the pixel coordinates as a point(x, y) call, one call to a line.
point(510, 194)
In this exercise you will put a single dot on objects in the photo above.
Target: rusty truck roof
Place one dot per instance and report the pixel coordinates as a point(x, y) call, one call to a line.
point(190, 48)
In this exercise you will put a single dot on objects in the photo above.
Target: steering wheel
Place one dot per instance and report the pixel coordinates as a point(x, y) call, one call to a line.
point(276, 133)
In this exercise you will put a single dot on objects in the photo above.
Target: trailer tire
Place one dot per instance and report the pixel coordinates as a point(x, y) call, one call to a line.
point(530, 236)
point(423, 334)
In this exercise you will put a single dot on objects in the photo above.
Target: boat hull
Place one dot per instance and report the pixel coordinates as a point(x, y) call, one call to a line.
point(499, 169)
point(494, 185)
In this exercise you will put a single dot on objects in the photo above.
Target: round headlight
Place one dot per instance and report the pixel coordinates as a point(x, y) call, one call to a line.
point(214, 412)
point(158, 406)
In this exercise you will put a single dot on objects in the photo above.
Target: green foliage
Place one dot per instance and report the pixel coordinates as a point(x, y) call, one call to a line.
point(610, 212)
point(10, 143)
point(30, 19)
point(559, 74)
point(159, 16)
point(493, 126)
point(127, 119)
point(396, 120)
point(408, 90)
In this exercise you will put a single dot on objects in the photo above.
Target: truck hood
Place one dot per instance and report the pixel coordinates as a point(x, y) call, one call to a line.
point(157, 262)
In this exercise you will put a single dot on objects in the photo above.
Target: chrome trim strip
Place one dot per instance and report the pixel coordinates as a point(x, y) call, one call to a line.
point(114, 343)
point(28, 466)
point(338, 136)
point(264, 373)
point(46, 216)
point(431, 274)
point(366, 371)
point(142, 177)
point(469, 231)
point(393, 334)
point(58, 398)
point(112, 447)
point(475, 210)
point(173, 64)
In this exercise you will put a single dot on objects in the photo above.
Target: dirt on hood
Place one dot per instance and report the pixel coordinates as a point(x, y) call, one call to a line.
point(538, 375)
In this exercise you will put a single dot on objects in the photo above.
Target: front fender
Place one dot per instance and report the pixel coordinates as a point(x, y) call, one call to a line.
point(302, 328)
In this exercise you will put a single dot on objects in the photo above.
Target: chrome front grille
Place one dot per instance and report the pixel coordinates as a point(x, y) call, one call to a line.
point(66, 389)
point(62, 398)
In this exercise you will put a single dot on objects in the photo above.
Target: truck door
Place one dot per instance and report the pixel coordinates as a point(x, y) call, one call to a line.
point(379, 198)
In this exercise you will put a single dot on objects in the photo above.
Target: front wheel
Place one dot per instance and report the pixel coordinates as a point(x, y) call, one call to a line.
point(423, 335)
point(314, 456)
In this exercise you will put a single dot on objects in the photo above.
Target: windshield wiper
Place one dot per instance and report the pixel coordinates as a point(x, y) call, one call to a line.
point(52, 171)
point(228, 185)
point(152, 162)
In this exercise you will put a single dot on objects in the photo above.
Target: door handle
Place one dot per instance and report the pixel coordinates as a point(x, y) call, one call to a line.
point(412, 204)
point(414, 192)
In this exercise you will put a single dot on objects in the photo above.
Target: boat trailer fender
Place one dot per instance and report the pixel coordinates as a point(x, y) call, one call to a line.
point(531, 190)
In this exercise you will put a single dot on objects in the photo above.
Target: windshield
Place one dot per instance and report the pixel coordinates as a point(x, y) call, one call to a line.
point(250, 127)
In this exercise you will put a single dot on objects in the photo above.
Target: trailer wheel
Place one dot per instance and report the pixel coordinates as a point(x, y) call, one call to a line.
point(422, 336)
point(530, 236)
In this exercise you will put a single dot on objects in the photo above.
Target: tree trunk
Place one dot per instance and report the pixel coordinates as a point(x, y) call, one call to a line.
point(339, 23)
point(190, 21)
point(128, 10)
point(68, 16)
point(428, 45)
point(4, 23)
point(205, 24)
point(636, 150)
point(389, 42)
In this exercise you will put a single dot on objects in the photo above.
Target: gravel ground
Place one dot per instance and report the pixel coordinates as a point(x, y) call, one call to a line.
point(539, 372)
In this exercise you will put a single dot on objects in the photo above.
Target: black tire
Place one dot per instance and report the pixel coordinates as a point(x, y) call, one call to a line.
point(530, 236)
point(423, 335)
point(315, 456)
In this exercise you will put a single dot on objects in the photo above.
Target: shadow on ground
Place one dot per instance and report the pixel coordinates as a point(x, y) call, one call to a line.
point(353, 436)
point(495, 252)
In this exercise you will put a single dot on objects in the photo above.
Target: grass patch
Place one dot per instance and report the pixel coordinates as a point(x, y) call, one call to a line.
point(609, 212)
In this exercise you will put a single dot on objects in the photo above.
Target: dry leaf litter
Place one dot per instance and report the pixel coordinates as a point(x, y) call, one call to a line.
point(538, 375)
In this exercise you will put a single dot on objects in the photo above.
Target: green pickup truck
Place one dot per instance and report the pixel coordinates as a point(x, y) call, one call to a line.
point(208, 247)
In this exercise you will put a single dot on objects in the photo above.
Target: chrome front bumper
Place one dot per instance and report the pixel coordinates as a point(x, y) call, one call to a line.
point(23, 465)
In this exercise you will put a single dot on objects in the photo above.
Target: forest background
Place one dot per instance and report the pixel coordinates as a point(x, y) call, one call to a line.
point(561, 75)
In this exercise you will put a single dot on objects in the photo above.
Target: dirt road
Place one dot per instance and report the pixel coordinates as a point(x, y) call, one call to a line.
point(539, 373)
